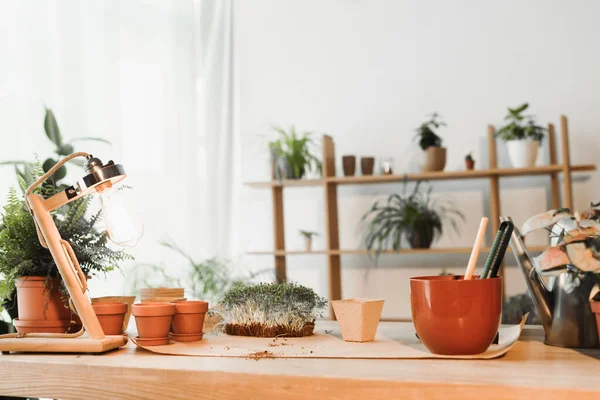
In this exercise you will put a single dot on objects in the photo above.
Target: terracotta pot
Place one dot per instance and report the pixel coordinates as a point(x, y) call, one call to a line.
point(358, 318)
point(161, 292)
point(470, 165)
point(367, 164)
point(41, 326)
point(153, 320)
point(435, 159)
point(111, 316)
point(453, 316)
point(38, 303)
point(596, 310)
point(189, 317)
point(349, 164)
point(117, 299)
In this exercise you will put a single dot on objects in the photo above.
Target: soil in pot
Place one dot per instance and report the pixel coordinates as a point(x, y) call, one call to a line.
point(349, 165)
point(435, 159)
point(260, 330)
point(189, 317)
point(153, 320)
point(38, 301)
point(367, 164)
point(111, 316)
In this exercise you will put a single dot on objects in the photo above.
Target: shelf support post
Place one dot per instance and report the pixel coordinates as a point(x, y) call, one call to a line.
point(554, 186)
point(278, 234)
point(566, 164)
point(331, 222)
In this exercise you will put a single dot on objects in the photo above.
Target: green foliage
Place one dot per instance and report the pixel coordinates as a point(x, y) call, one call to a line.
point(406, 214)
point(21, 253)
point(469, 157)
point(519, 126)
point(308, 234)
point(271, 304)
point(292, 149)
point(207, 279)
point(426, 135)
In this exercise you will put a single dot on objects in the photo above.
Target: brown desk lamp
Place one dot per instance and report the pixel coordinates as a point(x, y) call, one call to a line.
point(100, 178)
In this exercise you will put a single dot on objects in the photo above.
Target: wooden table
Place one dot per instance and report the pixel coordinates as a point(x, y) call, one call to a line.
point(530, 370)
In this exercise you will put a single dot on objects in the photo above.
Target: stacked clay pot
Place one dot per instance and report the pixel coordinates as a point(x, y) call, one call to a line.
point(41, 307)
point(111, 317)
point(153, 321)
point(188, 321)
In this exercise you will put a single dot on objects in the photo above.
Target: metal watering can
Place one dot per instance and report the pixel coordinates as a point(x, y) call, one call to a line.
point(564, 306)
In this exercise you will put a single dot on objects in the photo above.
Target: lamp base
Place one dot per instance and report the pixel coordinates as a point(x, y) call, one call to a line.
point(62, 345)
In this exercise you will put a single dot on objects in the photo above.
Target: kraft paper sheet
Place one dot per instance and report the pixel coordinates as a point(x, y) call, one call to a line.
point(393, 341)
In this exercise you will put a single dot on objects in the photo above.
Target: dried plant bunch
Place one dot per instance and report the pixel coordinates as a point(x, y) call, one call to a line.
point(270, 310)
point(576, 237)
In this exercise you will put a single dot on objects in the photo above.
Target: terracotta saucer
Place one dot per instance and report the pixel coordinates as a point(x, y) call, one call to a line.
point(190, 337)
point(151, 341)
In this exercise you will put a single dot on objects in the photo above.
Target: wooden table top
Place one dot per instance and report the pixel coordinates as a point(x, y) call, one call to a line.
point(530, 370)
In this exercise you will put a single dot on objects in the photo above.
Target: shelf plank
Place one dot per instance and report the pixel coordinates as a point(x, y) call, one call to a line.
point(431, 176)
point(284, 252)
point(286, 182)
point(455, 250)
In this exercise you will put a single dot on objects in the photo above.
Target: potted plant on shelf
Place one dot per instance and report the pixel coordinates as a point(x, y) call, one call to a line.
point(308, 235)
point(469, 162)
point(291, 154)
point(522, 137)
point(27, 269)
point(270, 310)
point(431, 144)
point(415, 216)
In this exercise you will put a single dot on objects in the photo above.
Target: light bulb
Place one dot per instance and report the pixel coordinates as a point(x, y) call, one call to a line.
point(124, 229)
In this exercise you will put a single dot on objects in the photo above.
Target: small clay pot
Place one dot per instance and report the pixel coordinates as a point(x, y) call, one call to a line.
point(470, 164)
point(189, 317)
point(153, 320)
point(111, 316)
point(349, 164)
point(118, 299)
point(308, 243)
point(367, 165)
point(358, 318)
point(41, 326)
point(38, 301)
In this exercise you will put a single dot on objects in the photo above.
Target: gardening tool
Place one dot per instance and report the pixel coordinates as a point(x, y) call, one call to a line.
point(563, 305)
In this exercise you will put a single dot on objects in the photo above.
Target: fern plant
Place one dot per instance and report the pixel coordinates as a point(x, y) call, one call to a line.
point(21, 253)
point(426, 134)
point(292, 154)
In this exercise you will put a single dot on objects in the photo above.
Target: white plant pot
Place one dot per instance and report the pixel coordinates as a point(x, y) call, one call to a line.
point(522, 153)
point(308, 243)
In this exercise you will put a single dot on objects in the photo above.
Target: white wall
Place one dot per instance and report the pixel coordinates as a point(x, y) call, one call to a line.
point(367, 73)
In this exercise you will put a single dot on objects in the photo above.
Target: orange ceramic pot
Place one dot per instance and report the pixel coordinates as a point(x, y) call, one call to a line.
point(41, 326)
point(189, 317)
point(111, 316)
point(38, 301)
point(153, 320)
point(454, 316)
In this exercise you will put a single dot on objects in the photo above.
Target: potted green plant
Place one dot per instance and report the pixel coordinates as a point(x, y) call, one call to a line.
point(308, 235)
point(415, 216)
point(469, 162)
point(291, 154)
point(522, 137)
point(270, 310)
point(28, 271)
point(431, 144)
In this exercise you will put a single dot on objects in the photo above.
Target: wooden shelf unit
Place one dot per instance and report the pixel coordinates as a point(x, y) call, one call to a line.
point(330, 183)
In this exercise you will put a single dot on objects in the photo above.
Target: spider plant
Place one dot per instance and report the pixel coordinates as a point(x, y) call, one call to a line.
point(416, 216)
point(292, 154)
